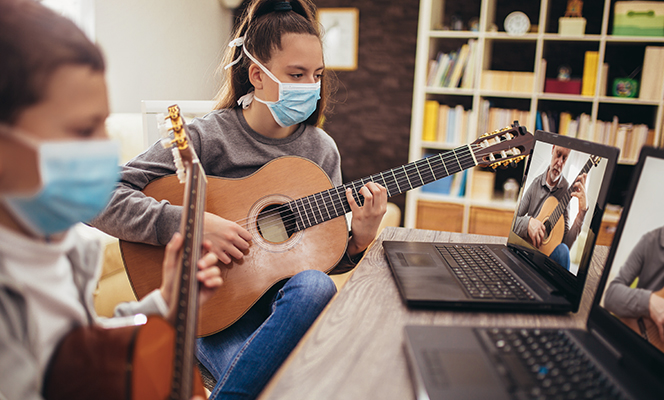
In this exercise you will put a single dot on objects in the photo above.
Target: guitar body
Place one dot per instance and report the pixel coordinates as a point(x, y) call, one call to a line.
point(646, 328)
point(267, 261)
point(128, 363)
point(555, 236)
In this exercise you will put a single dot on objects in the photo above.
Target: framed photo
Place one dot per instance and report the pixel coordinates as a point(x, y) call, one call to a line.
point(340, 37)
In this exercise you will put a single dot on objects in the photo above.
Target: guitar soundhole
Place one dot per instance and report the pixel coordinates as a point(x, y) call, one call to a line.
point(276, 223)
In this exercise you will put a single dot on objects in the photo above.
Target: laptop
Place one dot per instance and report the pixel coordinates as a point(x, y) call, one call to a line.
point(544, 272)
point(619, 354)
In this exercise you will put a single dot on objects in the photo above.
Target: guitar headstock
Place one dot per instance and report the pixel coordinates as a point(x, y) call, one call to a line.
point(595, 160)
point(183, 154)
point(503, 147)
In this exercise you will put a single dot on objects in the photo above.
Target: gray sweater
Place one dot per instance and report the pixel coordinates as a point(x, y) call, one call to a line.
point(227, 147)
point(646, 261)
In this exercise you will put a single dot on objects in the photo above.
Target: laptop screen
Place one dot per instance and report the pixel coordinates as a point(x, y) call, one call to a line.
point(634, 275)
point(564, 187)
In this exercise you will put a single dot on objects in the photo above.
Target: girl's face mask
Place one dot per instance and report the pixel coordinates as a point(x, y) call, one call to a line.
point(77, 180)
point(296, 103)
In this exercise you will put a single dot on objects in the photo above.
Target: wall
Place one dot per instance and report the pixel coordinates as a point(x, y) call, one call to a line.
point(371, 118)
point(161, 49)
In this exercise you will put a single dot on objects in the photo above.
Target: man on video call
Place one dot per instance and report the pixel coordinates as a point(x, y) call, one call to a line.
point(552, 183)
point(645, 262)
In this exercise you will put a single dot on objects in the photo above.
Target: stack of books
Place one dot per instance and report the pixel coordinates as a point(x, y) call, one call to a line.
point(454, 69)
point(443, 124)
point(628, 137)
point(493, 118)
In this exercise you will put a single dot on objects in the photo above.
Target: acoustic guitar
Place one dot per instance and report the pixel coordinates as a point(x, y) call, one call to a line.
point(645, 327)
point(296, 218)
point(154, 360)
point(553, 209)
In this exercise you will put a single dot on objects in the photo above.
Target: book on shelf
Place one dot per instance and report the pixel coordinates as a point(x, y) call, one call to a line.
point(482, 185)
point(430, 120)
point(449, 125)
point(453, 69)
point(441, 186)
point(652, 74)
point(452, 185)
point(468, 76)
point(603, 79)
point(628, 137)
point(443, 112)
point(492, 118)
point(589, 79)
point(542, 76)
point(454, 78)
point(507, 81)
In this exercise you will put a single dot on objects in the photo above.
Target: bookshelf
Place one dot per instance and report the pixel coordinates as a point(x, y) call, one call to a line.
point(504, 77)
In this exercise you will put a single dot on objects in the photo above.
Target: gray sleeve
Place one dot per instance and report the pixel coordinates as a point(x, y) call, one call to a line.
point(20, 377)
point(620, 298)
point(133, 216)
point(521, 221)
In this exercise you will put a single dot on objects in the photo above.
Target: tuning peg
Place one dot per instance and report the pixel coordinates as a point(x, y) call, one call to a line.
point(512, 164)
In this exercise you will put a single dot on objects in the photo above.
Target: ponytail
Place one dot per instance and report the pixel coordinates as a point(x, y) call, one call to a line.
point(261, 28)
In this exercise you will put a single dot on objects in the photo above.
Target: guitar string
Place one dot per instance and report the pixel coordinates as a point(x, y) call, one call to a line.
point(311, 211)
point(339, 204)
point(460, 154)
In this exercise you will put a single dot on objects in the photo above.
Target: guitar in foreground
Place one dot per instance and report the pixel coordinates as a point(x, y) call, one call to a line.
point(154, 360)
point(552, 210)
point(646, 328)
point(293, 214)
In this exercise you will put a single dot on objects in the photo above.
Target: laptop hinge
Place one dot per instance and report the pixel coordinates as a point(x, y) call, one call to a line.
point(545, 283)
point(617, 354)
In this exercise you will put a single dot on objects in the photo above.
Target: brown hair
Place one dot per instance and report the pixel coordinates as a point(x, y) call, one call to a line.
point(262, 26)
point(34, 43)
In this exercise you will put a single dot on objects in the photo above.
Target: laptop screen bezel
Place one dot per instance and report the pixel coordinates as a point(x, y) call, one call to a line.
point(635, 351)
point(570, 285)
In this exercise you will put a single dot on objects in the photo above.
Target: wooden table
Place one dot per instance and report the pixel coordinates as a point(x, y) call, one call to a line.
point(355, 348)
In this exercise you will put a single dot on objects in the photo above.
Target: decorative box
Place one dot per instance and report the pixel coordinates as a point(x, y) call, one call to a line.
point(572, 86)
point(638, 18)
point(571, 26)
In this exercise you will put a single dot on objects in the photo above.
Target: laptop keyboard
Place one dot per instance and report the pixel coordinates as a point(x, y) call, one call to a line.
point(483, 276)
point(551, 366)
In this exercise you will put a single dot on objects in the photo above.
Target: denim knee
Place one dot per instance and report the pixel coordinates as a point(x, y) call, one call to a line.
point(312, 286)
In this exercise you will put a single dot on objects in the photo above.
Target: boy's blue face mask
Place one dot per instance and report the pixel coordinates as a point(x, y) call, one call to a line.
point(77, 180)
point(296, 103)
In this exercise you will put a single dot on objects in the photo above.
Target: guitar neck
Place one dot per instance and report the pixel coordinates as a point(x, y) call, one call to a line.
point(324, 206)
point(565, 199)
point(185, 321)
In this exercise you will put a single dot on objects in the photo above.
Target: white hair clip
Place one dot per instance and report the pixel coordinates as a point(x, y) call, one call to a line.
point(238, 42)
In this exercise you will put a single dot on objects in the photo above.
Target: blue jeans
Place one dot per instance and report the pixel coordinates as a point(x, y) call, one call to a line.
point(561, 255)
point(244, 356)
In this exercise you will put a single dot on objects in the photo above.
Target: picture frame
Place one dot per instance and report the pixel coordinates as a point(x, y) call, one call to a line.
point(340, 37)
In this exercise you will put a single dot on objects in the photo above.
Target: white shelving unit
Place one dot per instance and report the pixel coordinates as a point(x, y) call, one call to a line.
point(431, 39)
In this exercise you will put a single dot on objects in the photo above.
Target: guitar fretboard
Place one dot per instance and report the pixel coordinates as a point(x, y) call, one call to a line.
point(324, 206)
point(187, 296)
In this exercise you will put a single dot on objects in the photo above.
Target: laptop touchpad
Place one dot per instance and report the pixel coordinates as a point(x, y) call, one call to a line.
point(416, 260)
point(458, 368)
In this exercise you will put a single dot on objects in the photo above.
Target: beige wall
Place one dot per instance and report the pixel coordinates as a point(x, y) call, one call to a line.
point(161, 49)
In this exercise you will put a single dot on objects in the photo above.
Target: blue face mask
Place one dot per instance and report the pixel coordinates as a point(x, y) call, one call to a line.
point(297, 101)
point(77, 180)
